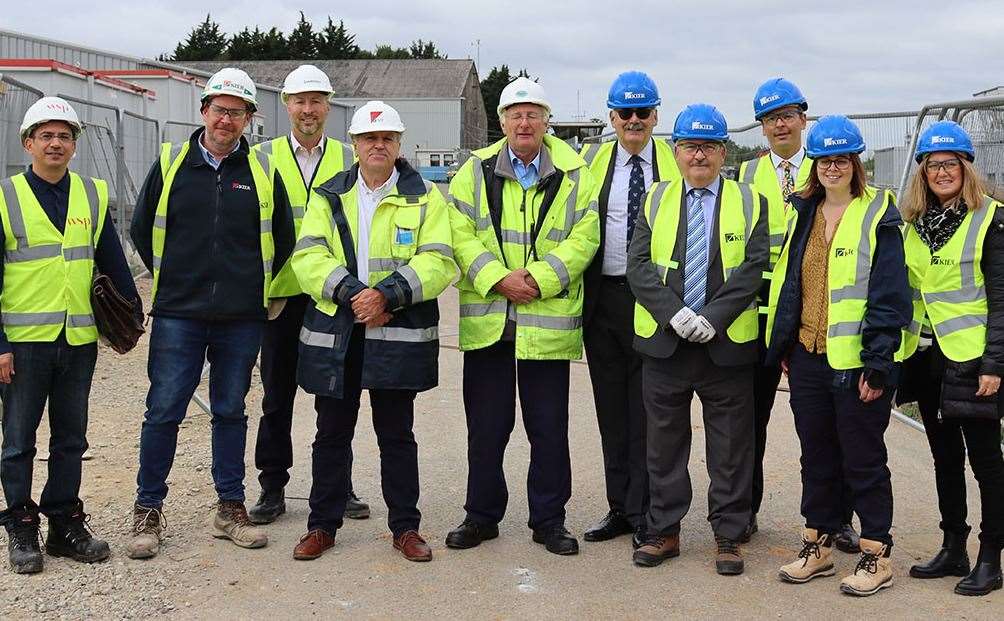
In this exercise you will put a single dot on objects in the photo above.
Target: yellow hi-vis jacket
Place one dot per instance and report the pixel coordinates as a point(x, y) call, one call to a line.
point(551, 229)
point(761, 174)
point(737, 216)
point(599, 156)
point(262, 170)
point(849, 272)
point(47, 273)
point(336, 157)
point(949, 287)
point(410, 263)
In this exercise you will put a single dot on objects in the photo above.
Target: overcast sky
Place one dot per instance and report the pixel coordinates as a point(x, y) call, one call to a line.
point(847, 56)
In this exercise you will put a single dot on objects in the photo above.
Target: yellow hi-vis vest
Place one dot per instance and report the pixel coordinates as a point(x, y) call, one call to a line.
point(598, 156)
point(171, 159)
point(47, 273)
point(336, 157)
point(850, 266)
point(948, 287)
point(736, 219)
point(761, 174)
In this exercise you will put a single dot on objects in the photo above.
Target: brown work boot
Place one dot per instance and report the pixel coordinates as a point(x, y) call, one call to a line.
point(873, 572)
point(412, 546)
point(655, 549)
point(313, 545)
point(148, 526)
point(232, 522)
point(728, 559)
point(814, 561)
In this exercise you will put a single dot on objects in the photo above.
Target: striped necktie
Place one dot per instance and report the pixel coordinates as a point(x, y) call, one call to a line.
point(695, 266)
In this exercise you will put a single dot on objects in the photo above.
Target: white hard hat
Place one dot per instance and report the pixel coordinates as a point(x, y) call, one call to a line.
point(523, 90)
point(375, 116)
point(231, 81)
point(50, 109)
point(306, 79)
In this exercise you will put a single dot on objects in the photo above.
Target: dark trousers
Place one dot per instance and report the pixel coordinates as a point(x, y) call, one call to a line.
point(842, 440)
point(950, 439)
point(178, 348)
point(491, 376)
point(615, 372)
point(393, 417)
point(726, 395)
point(280, 351)
point(60, 374)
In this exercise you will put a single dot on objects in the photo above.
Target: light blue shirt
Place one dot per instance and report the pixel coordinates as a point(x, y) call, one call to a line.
point(708, 203)
point(525, 173)
point(212, 161)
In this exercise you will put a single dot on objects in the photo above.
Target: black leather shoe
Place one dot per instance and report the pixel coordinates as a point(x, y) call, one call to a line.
point(638, 538)
point(71, 537)
point(271, 504)
point(23, 550)
point(846, 540)
point(613, 524)
point(951, 560)
point(356, 509)
point(470, 534)
point(557, 540)
point(751, 529)
point(985, 577)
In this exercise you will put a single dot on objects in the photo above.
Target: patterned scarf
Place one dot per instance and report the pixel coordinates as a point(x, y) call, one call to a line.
point(940, 222)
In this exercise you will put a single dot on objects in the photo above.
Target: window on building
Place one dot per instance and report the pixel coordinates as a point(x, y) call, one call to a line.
point(433, 159)
point(448, 159)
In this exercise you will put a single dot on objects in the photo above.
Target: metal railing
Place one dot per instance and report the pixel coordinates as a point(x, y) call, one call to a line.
point(15, 99)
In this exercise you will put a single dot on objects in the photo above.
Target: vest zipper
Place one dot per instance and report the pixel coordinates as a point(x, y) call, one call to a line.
point(216, 222)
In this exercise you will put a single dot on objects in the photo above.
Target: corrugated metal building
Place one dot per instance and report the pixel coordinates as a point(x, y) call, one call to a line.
point(439, 100)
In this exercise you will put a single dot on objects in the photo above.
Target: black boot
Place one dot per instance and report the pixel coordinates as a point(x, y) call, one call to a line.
point(986, 576)
point(70, 536)
point(271, 504)
point(951, 560)
point(22, 540)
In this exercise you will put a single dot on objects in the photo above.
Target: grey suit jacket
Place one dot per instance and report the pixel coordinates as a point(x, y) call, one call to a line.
point(725, 300)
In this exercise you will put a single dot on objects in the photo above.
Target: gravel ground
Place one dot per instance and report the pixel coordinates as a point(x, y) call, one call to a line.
point(199, 577)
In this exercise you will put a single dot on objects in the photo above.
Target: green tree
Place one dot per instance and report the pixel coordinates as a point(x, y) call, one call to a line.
point(390, 52)
point(242, 45)
point(335, 42)
point(205, 42)
point(302, 42)
point(424, 49)
point(491, 91)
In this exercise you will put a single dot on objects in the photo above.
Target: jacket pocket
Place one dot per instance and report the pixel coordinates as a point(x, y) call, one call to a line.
point(404, 233)
point(958, 392)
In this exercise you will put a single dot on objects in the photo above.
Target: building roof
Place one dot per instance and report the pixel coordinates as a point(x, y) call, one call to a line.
point(391, 79)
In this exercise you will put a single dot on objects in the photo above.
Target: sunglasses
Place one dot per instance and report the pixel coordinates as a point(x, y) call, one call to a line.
point(641, 113)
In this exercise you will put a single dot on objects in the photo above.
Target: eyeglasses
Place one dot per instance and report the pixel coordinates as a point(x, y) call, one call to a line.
point(934, 167)
point(63, 137)
point(516, 117)
point(840, 163)
point(236, 114)
point(691, 148)
point(785, 117)
point(641, 113)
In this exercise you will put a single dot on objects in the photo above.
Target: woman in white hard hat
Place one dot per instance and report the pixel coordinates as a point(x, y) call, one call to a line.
point(955, 346)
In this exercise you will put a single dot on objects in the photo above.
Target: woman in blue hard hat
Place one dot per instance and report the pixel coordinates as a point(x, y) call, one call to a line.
point(954, 243)
point(838, 302)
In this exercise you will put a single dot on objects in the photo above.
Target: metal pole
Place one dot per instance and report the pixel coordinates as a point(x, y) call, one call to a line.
point(120, 197)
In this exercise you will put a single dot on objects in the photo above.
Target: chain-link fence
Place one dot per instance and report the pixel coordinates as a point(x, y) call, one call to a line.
point(15, 99)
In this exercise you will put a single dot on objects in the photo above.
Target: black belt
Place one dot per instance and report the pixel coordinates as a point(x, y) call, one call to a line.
point(617, 280)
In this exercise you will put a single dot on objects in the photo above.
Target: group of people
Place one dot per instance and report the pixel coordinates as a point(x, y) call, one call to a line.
point(328, 258)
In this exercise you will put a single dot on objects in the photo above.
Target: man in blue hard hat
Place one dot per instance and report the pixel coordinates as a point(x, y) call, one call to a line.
point(780, 108)
point(627, 167)
point(695, 265)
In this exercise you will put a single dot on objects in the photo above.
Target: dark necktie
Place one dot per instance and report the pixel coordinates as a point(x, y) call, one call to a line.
point(636, 189)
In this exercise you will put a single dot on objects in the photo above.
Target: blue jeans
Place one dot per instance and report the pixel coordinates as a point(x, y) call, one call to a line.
point(60, 373)
point(177, 350)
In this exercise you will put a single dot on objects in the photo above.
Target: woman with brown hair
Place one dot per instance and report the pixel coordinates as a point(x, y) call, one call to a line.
point(954, 243)
point(839, 300)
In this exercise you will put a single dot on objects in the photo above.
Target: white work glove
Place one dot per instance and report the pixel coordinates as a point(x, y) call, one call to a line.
point(923, 343)
point(703, 332)
point(683, 322)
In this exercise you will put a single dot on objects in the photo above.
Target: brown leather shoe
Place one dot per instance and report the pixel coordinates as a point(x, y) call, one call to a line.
point(412, 546)
point(729, 558)
point(656, 548)
point(313, 545)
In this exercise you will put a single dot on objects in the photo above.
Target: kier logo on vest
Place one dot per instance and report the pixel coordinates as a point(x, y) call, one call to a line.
point(240, 186)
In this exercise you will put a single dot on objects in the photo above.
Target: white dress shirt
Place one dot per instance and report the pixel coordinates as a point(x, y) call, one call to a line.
point(368, 201)
point(307, 159)
point(795, 161)
point(615, 239)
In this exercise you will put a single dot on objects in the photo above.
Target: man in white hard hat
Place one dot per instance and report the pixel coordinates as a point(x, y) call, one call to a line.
point(212, 223)
point(305, 158)
point(56, 231)
point(524, 231)
point(373, 254)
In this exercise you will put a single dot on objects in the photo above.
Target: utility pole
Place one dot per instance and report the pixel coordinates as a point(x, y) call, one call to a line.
point(477, 44)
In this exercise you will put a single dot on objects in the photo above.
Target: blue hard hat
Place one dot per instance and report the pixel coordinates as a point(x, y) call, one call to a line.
point(774, 94)
point(633, 89)
point(945, 136)
point(833, 135)
point(700, 121)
